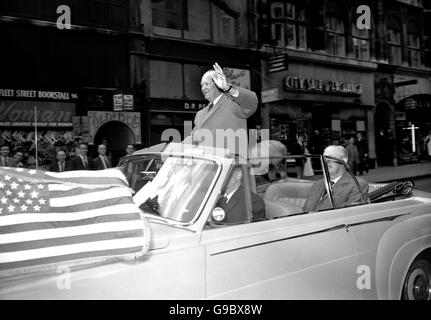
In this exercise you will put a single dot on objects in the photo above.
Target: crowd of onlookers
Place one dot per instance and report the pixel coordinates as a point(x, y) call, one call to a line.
point(63, 159)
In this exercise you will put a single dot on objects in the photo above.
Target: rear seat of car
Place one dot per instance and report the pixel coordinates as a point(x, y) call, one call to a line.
point(283, 199)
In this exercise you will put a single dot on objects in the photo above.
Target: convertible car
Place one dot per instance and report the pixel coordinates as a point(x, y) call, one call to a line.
point(376, 248)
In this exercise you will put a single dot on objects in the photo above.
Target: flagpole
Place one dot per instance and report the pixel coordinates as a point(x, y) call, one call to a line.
point(35, 133)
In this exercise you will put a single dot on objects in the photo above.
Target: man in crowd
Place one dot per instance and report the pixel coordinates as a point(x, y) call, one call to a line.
point(344, 189)
point(60, 164)
point(353, 160)
point(297, 149)
point(81, 161)
point(19, 157)
point(102, 161)
point(130, 148)
point(362, 145)
point(229, 107)
point(5, 159)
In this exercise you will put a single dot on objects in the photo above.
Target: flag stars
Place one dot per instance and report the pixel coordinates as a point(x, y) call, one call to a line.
point(36, 208)
point(14, 185)
point(11, 208)
point(15, 200)
point(21, 194)
point(3, 200)
point(42, 201)
point(29, 201)
point(2, 184)
point(7, 177)
point(24, 207)
point(27, 187)
point(34, 194)
point(40, 186)
point(19, 169)
point(32, 172)
point(8, 192)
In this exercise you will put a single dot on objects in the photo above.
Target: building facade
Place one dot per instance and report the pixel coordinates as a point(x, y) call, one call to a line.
point(74, 72)
point(342, 79)
point(175, 43)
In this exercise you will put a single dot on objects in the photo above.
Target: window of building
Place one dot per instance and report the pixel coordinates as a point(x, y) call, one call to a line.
point(394, 40)
point(201, 20)
point(413, 44)
point(224, 26)
point(335, 31)
point(288, 25)
point(361, 43)
point(172, 80)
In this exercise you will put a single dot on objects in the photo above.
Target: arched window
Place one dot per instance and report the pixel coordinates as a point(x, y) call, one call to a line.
point(394, 40)
point(361, 43)
point(413, 44)
point(335, 31)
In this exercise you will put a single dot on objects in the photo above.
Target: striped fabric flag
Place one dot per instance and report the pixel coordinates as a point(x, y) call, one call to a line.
point(76, 217)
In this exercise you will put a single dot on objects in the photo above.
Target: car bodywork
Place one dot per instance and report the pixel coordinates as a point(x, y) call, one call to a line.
point(357, 252)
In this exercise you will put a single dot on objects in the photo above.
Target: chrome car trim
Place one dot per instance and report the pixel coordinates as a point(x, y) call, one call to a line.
point(388, 218)
point(341, 226)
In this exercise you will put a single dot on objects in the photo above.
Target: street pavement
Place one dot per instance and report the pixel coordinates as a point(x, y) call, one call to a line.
point(414, 171)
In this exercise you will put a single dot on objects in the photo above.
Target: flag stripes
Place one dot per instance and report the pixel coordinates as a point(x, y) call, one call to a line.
point(47, 218)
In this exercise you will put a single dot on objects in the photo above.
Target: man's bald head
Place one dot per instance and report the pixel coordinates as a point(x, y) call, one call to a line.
point(208, 87)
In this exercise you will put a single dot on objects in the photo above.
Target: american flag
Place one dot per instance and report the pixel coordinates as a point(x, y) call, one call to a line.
point(48, 218)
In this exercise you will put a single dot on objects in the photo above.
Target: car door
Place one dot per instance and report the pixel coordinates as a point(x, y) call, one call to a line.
point(306, 256)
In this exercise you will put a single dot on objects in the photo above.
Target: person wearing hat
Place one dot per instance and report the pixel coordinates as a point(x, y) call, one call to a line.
point(344, 189)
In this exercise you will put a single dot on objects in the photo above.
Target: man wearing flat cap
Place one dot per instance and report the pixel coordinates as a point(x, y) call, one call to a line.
point(344, 188)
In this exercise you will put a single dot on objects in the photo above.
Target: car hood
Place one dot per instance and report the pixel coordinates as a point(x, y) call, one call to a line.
point(164, 235)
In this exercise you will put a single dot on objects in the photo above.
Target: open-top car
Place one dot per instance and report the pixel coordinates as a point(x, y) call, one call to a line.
point(376, 247)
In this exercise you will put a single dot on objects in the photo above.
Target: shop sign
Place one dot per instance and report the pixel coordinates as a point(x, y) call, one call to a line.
point(118, 102)
point(99, 118)
point(329, 86)
point(238, 77)
point(194, 106)
point(49, 114)
point(128, 101)
point(270, 95)
point(278, 62)
point(38, 94)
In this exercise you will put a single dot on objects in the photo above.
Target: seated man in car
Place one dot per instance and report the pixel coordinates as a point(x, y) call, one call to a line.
point(234, 204)
point(344, 189)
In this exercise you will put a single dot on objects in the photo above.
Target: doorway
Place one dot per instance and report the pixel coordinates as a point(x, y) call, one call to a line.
point(116, 136)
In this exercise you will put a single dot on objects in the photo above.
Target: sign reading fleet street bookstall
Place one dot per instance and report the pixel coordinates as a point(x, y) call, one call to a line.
point(326, 86)
point(38, 94)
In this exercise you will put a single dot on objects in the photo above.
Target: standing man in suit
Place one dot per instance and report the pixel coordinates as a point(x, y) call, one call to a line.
point(233, 201)
point(82, 161)
point(298, 149)
point(229, 107)
point(344, 187)
point(60, 164)
point(102, 161)
point(5, 159)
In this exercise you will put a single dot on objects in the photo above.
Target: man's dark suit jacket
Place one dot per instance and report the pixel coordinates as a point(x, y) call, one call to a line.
point(76, 164)
point(54, 166)
point(344, 191)
point(98, 165)
point(236, 210)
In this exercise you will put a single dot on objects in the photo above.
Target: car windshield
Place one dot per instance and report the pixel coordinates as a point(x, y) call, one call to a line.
point(176, 188)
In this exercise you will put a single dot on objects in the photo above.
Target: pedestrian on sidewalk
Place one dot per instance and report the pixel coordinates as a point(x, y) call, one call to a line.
point(362, 146)
point(428, 145)
point(353, 159)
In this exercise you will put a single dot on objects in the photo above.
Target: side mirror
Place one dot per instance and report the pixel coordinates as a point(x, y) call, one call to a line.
point(218, 214)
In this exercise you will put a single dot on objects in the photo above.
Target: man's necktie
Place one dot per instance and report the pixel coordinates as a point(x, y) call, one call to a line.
point(85, 162)
point(6, 161)
point(210, 106)
point(324, 192)
point(61, 166)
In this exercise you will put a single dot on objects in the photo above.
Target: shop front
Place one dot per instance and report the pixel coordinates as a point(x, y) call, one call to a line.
point(412, 117)
point(50, 113)
point(326, 104)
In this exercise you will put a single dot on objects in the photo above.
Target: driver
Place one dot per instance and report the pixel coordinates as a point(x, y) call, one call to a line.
point(344, 187)
point(233, 201)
